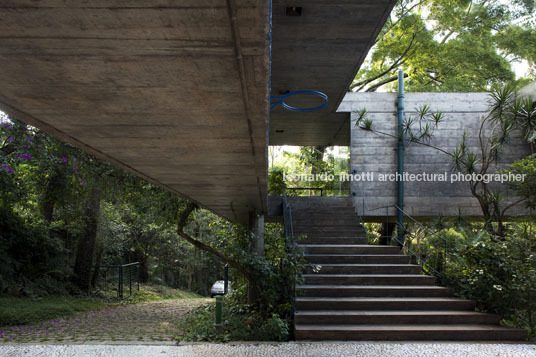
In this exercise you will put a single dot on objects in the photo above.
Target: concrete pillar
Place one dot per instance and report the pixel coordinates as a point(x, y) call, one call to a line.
point(257, 228)
point(259, 235)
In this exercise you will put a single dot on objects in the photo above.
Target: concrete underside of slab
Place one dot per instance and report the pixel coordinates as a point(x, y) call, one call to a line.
point(320, 50)
point(174, 92)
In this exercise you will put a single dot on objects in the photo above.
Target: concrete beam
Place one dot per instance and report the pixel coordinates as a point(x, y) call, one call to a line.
point(174, 92)
point(320, 50)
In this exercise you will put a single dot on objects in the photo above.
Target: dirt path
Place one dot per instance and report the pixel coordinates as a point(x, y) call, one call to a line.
point(143, 322)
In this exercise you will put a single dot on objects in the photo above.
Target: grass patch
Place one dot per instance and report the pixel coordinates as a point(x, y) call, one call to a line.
point(26, 310)
point(23, 311)
point(159, 292)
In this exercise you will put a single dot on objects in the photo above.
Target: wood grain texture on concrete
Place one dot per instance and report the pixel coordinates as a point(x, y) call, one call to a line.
point(175, 92)
point(320, 50)
point(376, 153)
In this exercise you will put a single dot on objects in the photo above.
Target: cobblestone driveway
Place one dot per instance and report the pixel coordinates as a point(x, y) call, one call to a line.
point(142, 323)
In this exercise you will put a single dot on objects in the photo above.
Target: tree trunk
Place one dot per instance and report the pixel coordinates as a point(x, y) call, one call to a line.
point(47, 207)
point(49, 197)
point(144, 270)
point(98, 261)
point(86, 245)
point(318, 155)
point(142, 257)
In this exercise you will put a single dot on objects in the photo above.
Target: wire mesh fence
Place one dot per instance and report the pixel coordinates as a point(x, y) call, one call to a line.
point(121, 278)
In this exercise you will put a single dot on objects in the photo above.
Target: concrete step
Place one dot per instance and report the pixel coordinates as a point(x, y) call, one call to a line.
point(349, 249)
point(373, 291)
point(357, 258)
point(363, 269)
point(356, 317)
point(335, 240)
point(397, 332)
point(324, 216)
point(331, 221)
point(383, 303)
point(328, 228)
point(320, 234)
point(355, 291)
point(368, 279)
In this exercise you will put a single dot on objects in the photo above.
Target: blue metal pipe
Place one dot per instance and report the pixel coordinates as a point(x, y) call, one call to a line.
point(400, 159)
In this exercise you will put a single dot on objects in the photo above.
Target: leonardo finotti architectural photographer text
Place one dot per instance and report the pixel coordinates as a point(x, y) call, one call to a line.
point(408, 177)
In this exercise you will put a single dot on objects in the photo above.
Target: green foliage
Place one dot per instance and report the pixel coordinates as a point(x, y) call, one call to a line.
point(447, 46)
point(498, 274)
point(527, 188)
point(422, 127)
point(272, 275)
point(31, 262)
point(152, 292)
point(308, 170)
point(276, 183)
point(240, 323)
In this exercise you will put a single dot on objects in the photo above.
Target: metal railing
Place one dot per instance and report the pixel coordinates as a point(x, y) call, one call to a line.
point(310, 189)
point(445, 250)
point(340, 188)
point(291, 245)
point(121, 277)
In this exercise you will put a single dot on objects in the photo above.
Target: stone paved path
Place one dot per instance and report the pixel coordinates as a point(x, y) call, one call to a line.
point(322, 349)
point(140, 323)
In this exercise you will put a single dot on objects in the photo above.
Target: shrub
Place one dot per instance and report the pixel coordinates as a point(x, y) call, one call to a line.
point(497, 272)
point(276, 184)
point(31, 262)
point(240, 323)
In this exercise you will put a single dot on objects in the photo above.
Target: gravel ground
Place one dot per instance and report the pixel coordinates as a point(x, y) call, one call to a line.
point(281, 349)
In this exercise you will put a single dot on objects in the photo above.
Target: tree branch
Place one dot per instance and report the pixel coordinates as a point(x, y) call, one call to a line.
point(404, 13)
point(410, 141)
point(400, 60)
point(384, 82)
point(183, 218)
point(512, 205)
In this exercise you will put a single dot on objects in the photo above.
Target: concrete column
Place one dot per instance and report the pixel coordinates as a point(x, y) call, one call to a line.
point(257, 227)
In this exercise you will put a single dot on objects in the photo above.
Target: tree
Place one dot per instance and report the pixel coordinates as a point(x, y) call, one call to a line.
point(451, 45)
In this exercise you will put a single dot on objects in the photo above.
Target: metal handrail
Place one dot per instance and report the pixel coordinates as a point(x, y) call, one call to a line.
point(307, 189)
point(429, 231)
point(289, 234)
point(362, 221)
point(420, 224)
point(419, 259)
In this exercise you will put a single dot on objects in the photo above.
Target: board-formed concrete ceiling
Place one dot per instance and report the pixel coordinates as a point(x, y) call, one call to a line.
point(173, 91)
point(176, 91)
point(321, 50)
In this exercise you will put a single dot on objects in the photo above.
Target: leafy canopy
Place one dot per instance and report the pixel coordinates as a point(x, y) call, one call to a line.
point(452, 45)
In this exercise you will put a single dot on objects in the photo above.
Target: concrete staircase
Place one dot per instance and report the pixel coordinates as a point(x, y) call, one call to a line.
point(371, 292)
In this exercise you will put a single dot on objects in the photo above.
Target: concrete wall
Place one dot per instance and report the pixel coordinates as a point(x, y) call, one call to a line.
point(373, 152)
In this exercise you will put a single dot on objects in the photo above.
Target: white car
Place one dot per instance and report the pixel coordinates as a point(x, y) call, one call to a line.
point(218, 288)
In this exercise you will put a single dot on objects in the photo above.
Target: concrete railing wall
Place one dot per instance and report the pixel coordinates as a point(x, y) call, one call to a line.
point(373, 152)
